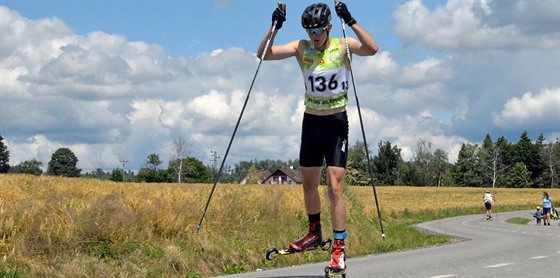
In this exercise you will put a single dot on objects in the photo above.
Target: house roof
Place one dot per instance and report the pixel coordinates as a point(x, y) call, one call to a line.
point(262, 176)
point(292, 174)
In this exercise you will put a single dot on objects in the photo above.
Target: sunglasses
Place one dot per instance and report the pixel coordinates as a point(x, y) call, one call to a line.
point(316, 31)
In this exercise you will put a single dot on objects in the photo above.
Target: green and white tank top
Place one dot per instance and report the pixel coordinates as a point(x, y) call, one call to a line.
point(325, 77)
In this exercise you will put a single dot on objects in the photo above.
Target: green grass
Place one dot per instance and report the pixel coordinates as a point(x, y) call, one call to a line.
point(6, 272)
point(518, 220)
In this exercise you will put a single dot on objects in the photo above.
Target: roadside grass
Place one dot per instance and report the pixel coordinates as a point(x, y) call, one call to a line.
point(518, 220)
point(64, 227)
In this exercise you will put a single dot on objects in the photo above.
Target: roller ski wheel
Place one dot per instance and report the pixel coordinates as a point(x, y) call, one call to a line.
point(332, 272)
point(272, 253)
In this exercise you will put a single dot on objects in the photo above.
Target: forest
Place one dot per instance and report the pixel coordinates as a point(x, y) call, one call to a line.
point(494, 163)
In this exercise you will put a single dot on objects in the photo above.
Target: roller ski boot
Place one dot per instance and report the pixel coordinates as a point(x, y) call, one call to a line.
point(337, 267)
point(311, 241)
point(489, 217)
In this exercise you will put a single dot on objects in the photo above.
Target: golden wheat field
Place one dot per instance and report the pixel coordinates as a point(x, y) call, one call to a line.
point(69, 227)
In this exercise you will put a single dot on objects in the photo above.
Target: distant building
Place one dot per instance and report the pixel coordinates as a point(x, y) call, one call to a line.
point(262, 175)
point(284, 177)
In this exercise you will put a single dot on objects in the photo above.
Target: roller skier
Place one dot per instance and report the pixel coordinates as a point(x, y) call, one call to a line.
point(325, 66)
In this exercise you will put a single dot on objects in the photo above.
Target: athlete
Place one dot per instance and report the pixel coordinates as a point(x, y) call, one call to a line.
point(325, 68)
point(488, 199)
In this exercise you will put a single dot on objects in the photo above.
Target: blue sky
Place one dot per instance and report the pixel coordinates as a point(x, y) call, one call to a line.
point(190, 27)
point(119, 80)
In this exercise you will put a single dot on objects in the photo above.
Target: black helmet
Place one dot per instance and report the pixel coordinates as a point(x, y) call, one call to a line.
point(316, 16)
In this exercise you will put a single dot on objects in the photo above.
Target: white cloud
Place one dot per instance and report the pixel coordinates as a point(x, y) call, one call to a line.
point(475, 24)
point(542, 109)
point(110, 99)
point(430, 69)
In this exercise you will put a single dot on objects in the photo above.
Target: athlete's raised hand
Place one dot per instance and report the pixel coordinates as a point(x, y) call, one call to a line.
point(279, 15)
point(342, 12)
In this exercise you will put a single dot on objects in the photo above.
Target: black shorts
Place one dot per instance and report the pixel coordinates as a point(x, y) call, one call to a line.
point(324, 137)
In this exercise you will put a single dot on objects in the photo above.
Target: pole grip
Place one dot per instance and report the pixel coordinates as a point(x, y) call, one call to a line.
point(341, 19)
point(282, 7)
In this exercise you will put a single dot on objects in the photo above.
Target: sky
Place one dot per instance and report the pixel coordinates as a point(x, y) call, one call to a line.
point(119, 80)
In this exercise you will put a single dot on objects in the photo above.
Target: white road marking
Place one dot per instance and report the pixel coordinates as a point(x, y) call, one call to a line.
point(538, 257)
point(497, 265)
point(444, 276)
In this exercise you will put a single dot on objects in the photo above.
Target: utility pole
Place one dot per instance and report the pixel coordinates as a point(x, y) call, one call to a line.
point(123, 163)
point(215, 159)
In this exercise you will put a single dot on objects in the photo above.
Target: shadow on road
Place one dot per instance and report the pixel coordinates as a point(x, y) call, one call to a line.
point(298, 276)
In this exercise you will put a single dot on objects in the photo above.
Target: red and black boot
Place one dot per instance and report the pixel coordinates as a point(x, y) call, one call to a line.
point(338, 260)
point(313, 238)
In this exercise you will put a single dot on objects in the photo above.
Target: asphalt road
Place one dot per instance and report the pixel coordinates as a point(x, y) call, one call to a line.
point(490, 249)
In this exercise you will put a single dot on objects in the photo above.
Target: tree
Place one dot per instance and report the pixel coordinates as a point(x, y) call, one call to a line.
point(386, 163)
point(530, 155)
point(151, 172)
point(420, 163)
point(440, 165)
point(153, 176)
point(32, 167)
point(180, 151)
point(357, 172)
point(98, 174)
point(466, 171)
point(253, 175)
point(116, 175)
point(4, 157)
point(153, 161)
point(198, 172)
point(194, 171)
point(427, 169)
point(507, 158)
point(519, 176)
point(491, 159)
point(63, 163)
point(551, 155)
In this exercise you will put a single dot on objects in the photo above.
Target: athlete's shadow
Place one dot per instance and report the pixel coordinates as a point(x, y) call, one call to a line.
point(298, 276)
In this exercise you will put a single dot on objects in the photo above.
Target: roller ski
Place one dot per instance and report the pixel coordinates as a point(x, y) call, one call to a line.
point(311, 241)
point(272, 253)
point(488, 217)
point(337, 267)
point(332, 272)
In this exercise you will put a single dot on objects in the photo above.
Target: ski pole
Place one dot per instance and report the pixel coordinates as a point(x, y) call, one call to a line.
point(361, 124)
point(496, 212)
point(217, 178)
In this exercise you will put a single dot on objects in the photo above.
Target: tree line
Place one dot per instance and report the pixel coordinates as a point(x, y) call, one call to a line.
point(498, 163)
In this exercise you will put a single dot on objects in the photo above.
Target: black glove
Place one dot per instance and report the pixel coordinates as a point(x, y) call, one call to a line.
point(279, 16)
point(342, 12)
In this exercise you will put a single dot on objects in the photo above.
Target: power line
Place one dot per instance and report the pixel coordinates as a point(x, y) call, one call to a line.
point(215, 159)
point(123, 163)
